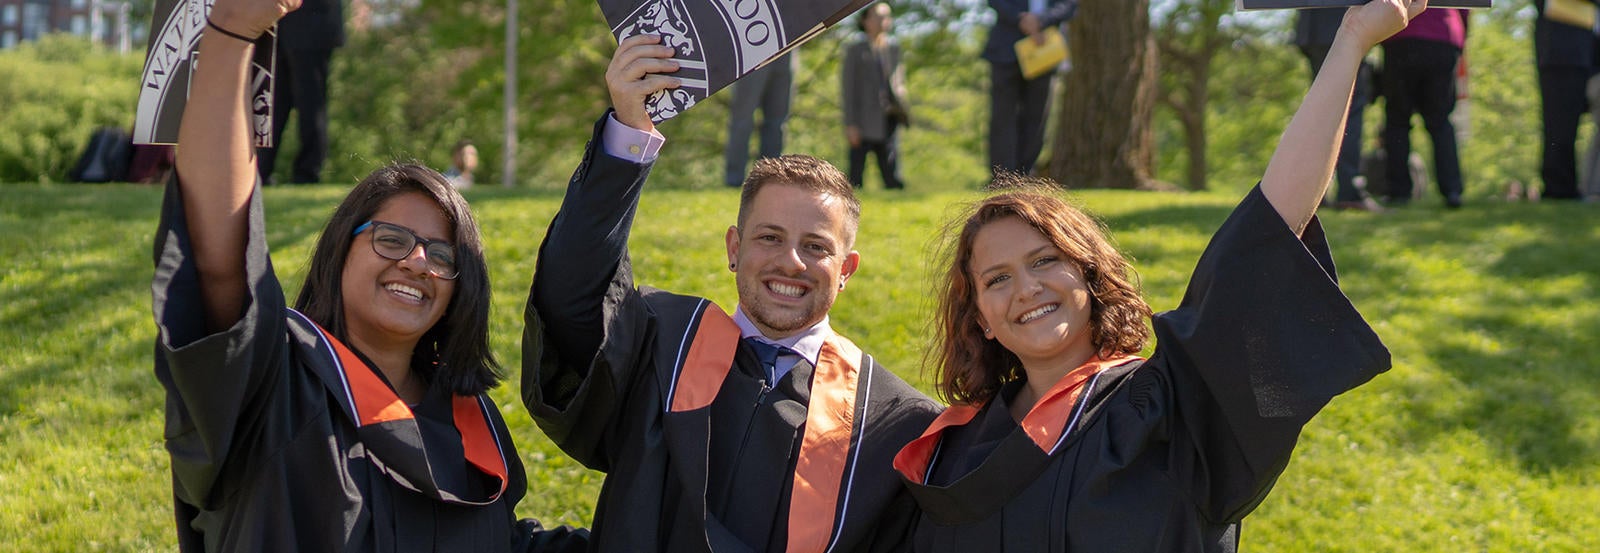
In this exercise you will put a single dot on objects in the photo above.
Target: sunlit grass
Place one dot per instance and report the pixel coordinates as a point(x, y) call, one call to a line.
point(1484, 437)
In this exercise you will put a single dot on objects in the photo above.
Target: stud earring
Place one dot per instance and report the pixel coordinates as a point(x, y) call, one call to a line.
point(733, 267)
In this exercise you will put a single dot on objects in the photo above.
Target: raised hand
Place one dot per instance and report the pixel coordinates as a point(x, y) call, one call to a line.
point(633, 76)
point(1371, 23)
point(250, 18)
point(1297, 176)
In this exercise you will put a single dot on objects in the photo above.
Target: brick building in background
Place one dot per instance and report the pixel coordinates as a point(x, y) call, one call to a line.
point(105, 21)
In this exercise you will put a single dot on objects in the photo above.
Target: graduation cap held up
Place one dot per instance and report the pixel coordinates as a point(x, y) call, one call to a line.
point(719, 41)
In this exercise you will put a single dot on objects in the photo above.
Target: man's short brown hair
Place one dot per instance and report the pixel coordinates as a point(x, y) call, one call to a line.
point(806, 172)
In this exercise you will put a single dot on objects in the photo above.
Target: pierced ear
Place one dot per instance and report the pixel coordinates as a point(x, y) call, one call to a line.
point(852, 263)
point(732, 242)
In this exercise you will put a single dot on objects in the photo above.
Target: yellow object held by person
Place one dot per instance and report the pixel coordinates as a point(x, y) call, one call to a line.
point(1037, 59)
point(1577, 13)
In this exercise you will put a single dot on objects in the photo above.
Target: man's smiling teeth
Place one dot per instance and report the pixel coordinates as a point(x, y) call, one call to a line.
point(404, 290)
point(787, 290)
point(1040, 312)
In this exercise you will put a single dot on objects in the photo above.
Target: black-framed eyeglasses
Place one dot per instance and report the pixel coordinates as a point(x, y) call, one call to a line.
point(396, 243)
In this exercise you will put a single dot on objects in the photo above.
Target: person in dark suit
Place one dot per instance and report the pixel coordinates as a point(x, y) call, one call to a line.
point(872, 85)
point(1567, 56)
point(306, 40)
point(1313, 35)
point(1017, 105)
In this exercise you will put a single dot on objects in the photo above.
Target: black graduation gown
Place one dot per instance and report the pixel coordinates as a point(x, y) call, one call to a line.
point(1167, 454)
point(701, 453)
point(283, 439)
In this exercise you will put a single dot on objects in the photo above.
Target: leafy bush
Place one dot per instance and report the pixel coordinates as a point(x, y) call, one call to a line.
point(411, 90)
point(55, 92)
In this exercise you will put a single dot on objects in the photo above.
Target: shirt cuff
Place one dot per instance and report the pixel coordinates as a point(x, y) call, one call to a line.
point(628, 143)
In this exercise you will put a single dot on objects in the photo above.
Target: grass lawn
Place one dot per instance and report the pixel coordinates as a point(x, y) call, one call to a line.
point(1484, 437)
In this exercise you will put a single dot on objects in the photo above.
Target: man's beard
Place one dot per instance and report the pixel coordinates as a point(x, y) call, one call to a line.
point(780, 319)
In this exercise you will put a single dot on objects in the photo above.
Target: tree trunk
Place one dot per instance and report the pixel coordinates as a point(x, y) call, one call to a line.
point(1103, 134)
point(1188, 40)
point(1194, 127)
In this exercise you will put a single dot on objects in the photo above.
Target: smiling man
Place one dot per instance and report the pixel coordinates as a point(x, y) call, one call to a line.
point(763, 430)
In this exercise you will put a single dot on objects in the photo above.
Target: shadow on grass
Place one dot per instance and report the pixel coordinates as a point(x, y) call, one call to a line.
point(1203, 219)
point(1493, 322)
point(84, 280)
point(1514, 333)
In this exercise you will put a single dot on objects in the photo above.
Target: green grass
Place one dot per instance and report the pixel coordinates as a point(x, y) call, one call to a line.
point(1484, 437)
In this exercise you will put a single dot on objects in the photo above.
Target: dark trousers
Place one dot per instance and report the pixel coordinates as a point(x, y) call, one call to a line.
point(1561, 88)
point(1348, 166)
point(1017, 109)
point(770, 88)
point(888, 153)
point(1419, 78)
point(302, 86)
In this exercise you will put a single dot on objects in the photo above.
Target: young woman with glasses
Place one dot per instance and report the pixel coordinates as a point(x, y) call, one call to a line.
point(357, 421)
point(1059, 438)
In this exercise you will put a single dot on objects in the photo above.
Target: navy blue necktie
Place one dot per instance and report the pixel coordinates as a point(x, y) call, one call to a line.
point(768, 354)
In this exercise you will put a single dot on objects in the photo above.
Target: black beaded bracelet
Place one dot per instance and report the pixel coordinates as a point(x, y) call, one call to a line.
point(219, 29)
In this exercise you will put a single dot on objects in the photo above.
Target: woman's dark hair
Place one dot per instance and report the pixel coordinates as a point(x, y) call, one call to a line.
point(971, 368)
point(455, 352)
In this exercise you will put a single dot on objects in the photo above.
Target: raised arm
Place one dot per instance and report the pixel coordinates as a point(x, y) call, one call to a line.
point(583, 295)
point(1297, 176)
point(588, 238)
point(216, 158)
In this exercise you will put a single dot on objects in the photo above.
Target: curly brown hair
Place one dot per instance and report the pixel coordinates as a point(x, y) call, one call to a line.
point(971, 368)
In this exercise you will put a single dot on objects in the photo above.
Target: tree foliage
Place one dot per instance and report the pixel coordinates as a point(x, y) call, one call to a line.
point(53, 94)
point(412, 89)
point(1190, 37)
point(435, 75)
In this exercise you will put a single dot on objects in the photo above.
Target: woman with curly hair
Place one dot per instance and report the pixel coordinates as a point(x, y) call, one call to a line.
point(1060, 438)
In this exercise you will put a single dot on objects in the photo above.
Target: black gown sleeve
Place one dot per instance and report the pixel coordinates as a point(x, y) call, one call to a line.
point(1263, 339)
point(585, 323)
point(217, 384)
